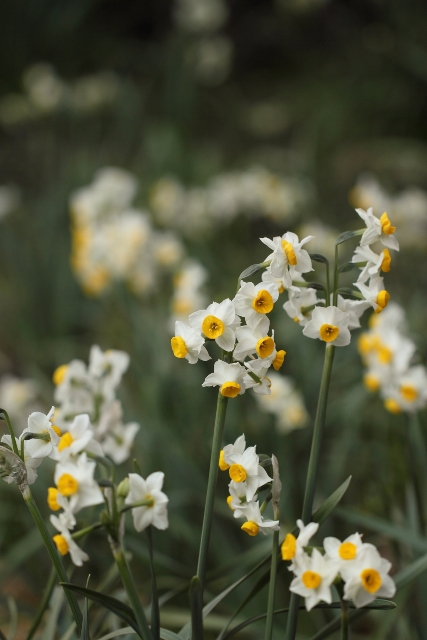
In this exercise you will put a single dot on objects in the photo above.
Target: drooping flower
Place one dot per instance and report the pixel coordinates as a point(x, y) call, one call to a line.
point(65, 543)
point(374, 293)
point(150, 489)
point(330, 325)
point(255, 523)
point(288, 254)
point(230, 378)
point(378, 229)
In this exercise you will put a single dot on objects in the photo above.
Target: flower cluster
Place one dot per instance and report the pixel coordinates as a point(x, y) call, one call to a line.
point(388, 353)
point(358, 564)
point(247, 476)
point(91, 389)
point(112, 241)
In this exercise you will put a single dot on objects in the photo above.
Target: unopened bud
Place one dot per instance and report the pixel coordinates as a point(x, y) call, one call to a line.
point(123, 488)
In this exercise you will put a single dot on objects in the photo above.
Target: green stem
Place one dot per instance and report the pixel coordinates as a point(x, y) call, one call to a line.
point(43, 604)
point(328, 286)
point(130, 587)
point(83, 532)
point(336, 276)
point(221, 409)
point(418, 463)
point(54, 556)
point(313, 467)
point(344, 620)
point(11, 431)
point(272, 586)
point(155, 613)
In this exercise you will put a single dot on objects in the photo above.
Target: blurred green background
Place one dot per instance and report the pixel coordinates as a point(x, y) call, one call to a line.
point(328, 99)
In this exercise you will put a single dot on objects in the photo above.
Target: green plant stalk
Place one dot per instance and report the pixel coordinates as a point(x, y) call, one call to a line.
point(336, 276)
point(221, 409)
point(130, 587)
point(54, 556)
point(313, 467)
point(344, 620)
point(43, 604)
point(155, 613)
point(11, 431)
point(272, 585)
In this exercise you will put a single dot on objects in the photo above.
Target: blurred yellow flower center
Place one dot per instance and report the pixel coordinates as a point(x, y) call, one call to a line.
point(371, 580)
point(96, 282)
point(289, 547)
point(384, 354)
point(237, 473)
point(222, 464)
point(392, 405)
point(386, 225)
point(61, 544)
point(311, 579)
point(59, 374)
point(213, 327)
point(279, 359)
point(67, 485)
point(371, 382)
point(328, 332)
point(265, 347)
point(290, 253)
point(263, 302)
point(386, 263)
point(182, 307)
point(251, 528)
point(52, 495)
point(57, 430)
point(179, 347)
point(281, 288)
point(296, 319)
point(382, 300)
point(347, 551)
point(409, 392)
point(229, 501)
point(65, 441)
point(230, 389)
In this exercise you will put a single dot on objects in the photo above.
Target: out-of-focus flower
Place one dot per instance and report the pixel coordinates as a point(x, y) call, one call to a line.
point(149, 490)
point(285, 402)
point(10, 199)
point(65, 543)
point(45, 90)
point(199, 16)
point(18, 396)
point(211, 59)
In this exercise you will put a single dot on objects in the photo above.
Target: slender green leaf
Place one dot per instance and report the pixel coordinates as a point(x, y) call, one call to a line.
point(115, 634)
point(330, 503)
point(165, 634)
point(250, 271)
point(317, 257)
point(120, 609)
point(85, 626)
point(348, 235)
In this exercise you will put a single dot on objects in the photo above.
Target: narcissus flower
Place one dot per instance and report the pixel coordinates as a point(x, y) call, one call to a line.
point(74, 480)
point(374, 262)
point(259, 368)
point(354, 308)
point(345, 551)
point(188, 343)
point(298, 305)
point(245, 468)
point(255, 522)
point(252, 300)
point(292, 547)
point(330, 325)
point(313, 578)
point(150, 489)
point(65, 543)
point(374, 293)
point(378, 229)
point(288, 254)
point(230, 378)
point(366, 578)
point(254, 338)
point(218, 322)
point(41, 424)
point(79, 437)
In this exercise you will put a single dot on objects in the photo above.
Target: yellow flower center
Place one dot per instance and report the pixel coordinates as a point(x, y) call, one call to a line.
point(328, 332)
point(230, 389)
point(384, 354)
point(67, 485)
point(386, 225)
point(96, 282)
point(265, 347)
point(222, 464)
point(57, 430)
point(279, 359)
point(289, 547)
point(65, 441)
point(367, 343)
point(371, 580)
point(182, 307)
point(392, 405)
point(311, 579)
point(386, 263)
point(289, 252)
point(371, 382)
point(59, 374)
point(229, 501)
point(213, 327)
point(409, 392)
point(61, 544)
point(237, 473)
point(382, 300)
point(52, 495)
point(263, 302)
point(296, 319)
point(179, 347)
point(251, 528)
point(347, 551)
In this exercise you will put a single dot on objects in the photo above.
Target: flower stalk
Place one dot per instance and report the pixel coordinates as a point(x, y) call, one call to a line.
point(344, 619)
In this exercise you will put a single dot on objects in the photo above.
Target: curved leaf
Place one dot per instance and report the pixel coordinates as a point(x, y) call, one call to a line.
point(330, 503)
point(249, 271)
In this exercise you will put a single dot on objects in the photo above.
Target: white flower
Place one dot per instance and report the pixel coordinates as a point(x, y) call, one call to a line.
point(218, 322)
point(294, 307)
point(79, 437)
point(254, 339)
point(74, 480)
point(252, 300)
point(109, 367)
point(354, 308)
point(330, 325)
point(230, 449)
point(374, 293)
point(374, 262)
point(245, 468)
point(40, 424)
point(366, 577)
point(260, 369)
point(150, 489)
point(31, 463)
point(65, 543)
point(283, 284)
point(292, 548)
point(119, 441)
point(313, 578)
point(378, 229)
point(288, 253)
point(229, 377)
point(345, 551)
point(237, 497)
point(255, 522)
point(188, 343)
point(407, 391)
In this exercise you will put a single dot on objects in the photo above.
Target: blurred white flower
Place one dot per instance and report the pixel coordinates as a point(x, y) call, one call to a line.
point(151, 490)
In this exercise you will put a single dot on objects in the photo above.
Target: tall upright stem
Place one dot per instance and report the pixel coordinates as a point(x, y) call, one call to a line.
point(272, 586)
point(313, 467)
point(221, 409)
point(54, 556)
point(344, 620)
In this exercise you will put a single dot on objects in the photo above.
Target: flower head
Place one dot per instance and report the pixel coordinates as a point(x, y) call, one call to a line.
point(252, 300)
point(288, 254)
point(378, 229)
point(366, 577)
point(230, 378)
point(330, 325)
point(218, 322)
point(313, 578)
point(188, 343)
point(150, 489)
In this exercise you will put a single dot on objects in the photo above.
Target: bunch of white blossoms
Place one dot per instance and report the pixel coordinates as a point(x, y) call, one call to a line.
point(388, 353)
point(247, 477)
point(92, 390)
point(358, 564)
point(112, 241)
